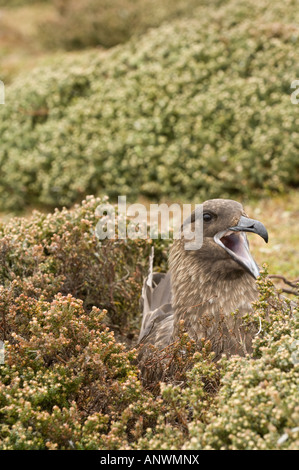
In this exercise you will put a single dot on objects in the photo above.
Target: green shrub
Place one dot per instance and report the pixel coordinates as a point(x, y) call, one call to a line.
point(66, 382)
point(65, 377)
point(47, 254)
point(195, 109)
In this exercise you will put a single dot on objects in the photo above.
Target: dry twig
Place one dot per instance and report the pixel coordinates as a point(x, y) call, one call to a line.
point(294, 284)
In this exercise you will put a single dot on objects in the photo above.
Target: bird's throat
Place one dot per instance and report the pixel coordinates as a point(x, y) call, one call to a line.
point(205, 302)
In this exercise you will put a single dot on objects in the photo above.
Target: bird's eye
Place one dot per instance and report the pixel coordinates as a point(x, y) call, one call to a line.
point(207, 217)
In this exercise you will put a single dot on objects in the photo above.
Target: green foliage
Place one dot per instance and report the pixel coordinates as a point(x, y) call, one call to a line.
point(196, 108)
point(47, 254)
point(65, 362)
point(66, 382)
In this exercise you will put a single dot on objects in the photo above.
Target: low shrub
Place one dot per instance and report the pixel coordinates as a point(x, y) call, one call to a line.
point(65, 377)
point(67, 382)
point(59, 252)
point(197, 108)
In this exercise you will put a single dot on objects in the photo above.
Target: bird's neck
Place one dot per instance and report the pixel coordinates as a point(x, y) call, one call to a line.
point(200, 294)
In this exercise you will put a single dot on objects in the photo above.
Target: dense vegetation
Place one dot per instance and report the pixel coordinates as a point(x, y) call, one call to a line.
point(196, 108)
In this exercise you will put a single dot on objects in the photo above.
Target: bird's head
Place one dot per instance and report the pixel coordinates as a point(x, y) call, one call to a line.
point(225, 247)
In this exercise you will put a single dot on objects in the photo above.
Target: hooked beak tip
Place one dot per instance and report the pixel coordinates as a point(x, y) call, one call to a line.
point(250, 225)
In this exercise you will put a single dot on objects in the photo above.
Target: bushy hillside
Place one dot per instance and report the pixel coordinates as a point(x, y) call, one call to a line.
point(194, 109)
point(68, 306)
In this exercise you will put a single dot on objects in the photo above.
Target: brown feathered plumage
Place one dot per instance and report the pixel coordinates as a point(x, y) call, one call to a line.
point(203, 287)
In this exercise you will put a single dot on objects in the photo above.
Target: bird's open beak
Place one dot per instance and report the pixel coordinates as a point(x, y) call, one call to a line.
point(250, 225)
point(235, 243)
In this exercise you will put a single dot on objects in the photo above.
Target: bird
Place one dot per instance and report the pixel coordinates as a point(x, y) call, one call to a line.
point(209, 289)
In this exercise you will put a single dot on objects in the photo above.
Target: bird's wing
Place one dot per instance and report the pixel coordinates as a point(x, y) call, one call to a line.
point(156, 301)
